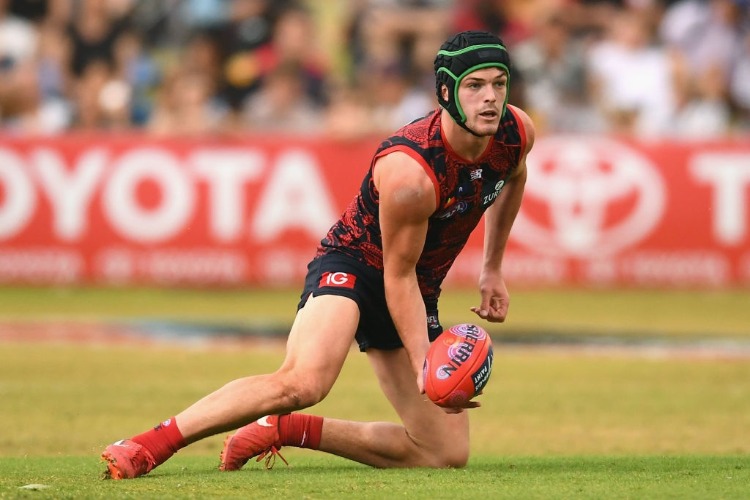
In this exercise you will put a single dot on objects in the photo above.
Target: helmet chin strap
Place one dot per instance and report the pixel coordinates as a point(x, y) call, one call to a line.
point(466, 127)
point(462, 123)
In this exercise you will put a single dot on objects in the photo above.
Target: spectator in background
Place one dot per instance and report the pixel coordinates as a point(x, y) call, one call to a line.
point(632, 80)
point(739, 88)
point(491, 15)
point(390, 29)
point(695, 82)
point(282, 105)
point(292, 53)
point(26, 109)
point(249, 29)
point(294, 42)
point(135, 68)
point(555, 77)
point(93, 32)
point(494, 16)
point(347, 115)
point(396, 98)
point(708, 35)
point(204, 15)
point(18, 47)
point(102, 101)
point(186, 105)
point(53, 111)
point(398, 32)
point(704, 111)
point(53, 61)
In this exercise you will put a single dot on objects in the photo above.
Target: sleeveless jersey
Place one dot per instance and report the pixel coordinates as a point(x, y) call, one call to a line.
point(464, 191)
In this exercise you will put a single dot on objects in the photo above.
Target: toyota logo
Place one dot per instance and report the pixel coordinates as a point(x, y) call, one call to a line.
point(588, 198)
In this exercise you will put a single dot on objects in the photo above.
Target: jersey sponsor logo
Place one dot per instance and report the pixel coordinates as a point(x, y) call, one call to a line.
point(337, 279)
point(490, 197)
point(457, 208)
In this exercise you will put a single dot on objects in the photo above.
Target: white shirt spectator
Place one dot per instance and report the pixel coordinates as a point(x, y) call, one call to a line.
point(18, 39)
point(633, 76)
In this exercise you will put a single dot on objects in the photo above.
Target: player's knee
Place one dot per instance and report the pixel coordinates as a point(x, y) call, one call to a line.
point(455, 458)
point(451, 455)
point(299, 393)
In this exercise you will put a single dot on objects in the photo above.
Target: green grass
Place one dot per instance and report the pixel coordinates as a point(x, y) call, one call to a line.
point(320, 477)
point(555, 423)
point(74, 400)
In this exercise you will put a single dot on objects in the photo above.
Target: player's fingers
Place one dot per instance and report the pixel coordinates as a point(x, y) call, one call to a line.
point(482, 313)
point(451, 410)
point(498, 311)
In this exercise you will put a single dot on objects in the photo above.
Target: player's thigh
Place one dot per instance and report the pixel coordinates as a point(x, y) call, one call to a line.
point(321, 337)
point(425, 422)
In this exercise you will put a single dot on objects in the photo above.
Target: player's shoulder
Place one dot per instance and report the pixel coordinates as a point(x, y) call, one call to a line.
point(525, 126)
point(401, 178)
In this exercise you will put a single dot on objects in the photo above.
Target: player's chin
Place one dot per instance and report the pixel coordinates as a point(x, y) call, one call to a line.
point(486, 128)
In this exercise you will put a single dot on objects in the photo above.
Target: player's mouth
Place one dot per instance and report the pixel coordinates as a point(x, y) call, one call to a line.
point(489, 114)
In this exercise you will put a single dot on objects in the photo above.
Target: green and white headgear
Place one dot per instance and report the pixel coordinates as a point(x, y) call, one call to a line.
point(462, 54)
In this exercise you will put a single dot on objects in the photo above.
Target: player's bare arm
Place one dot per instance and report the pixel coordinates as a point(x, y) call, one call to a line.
point(407, 199)
point(499, 219)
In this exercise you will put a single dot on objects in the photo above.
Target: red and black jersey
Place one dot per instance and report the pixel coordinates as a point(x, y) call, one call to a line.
point(463, 191)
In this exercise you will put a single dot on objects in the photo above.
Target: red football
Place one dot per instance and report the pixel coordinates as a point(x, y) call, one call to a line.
point(458, 365)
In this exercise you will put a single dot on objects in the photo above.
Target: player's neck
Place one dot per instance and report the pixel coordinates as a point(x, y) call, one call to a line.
point(462, 142)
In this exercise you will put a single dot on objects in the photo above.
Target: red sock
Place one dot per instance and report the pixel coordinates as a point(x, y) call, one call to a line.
point(300, 430)
point(162, 441)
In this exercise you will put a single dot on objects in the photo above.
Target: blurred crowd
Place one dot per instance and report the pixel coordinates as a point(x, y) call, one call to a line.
point(349, 68)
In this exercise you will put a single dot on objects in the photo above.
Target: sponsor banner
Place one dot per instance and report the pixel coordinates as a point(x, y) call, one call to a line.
point(129, 209)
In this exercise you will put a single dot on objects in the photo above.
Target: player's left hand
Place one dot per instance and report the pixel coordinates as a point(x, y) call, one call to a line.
point(495, 299)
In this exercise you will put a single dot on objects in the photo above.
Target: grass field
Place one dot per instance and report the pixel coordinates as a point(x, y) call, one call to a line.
point(555, 423)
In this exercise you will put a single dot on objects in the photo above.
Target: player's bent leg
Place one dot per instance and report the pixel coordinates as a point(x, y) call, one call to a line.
point(319, 341)
point(429, 437)
point(318, 344)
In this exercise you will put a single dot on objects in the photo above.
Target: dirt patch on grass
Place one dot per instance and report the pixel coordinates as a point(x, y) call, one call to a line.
point(199, 335)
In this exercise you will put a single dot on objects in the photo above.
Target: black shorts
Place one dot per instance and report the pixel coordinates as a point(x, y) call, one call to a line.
point(338, 274)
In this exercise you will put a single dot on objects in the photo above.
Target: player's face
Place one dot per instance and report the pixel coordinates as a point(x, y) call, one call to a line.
point(482, 95)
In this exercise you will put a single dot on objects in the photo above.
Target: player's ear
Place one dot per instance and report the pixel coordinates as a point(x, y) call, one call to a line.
point(444, 92)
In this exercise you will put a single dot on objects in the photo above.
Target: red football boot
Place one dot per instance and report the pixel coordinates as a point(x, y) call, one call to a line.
point(127, 459)
point(259, 438)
